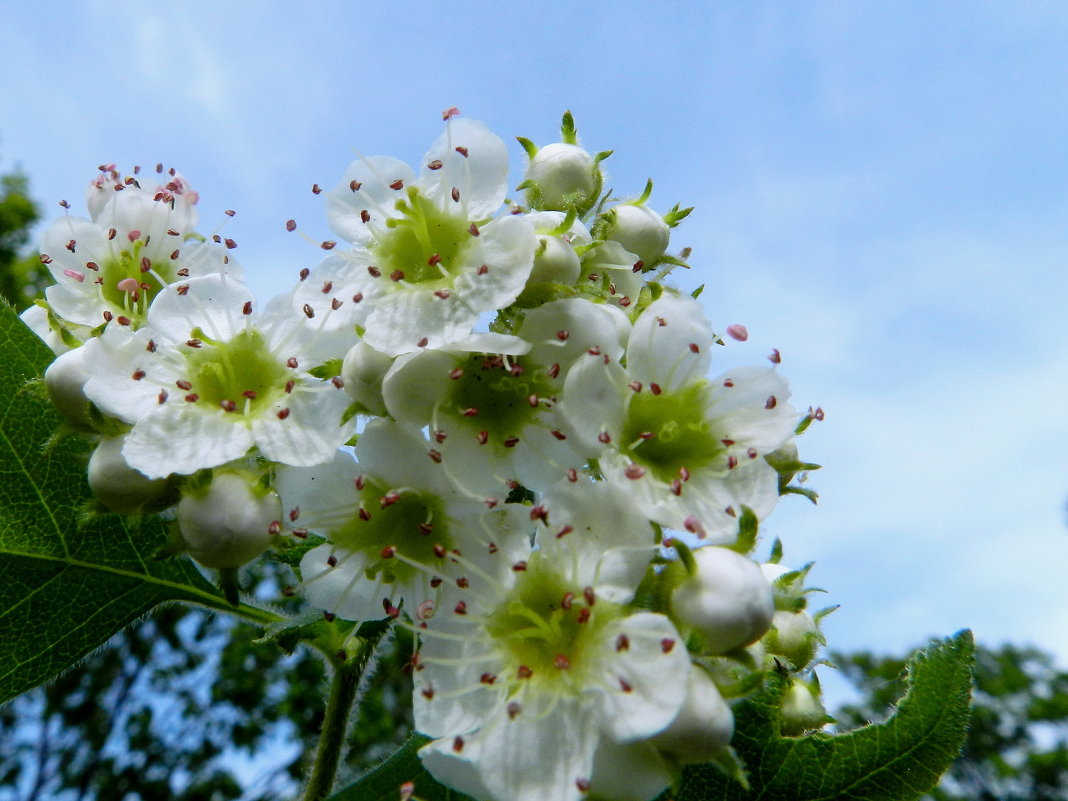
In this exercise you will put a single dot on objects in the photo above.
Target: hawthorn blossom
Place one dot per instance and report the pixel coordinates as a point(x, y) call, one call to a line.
point(138, 241)
point(429, 257)
point(205, 380)
point(396, 525)
point(491, 400)
point(537, 665)
point(689, 449)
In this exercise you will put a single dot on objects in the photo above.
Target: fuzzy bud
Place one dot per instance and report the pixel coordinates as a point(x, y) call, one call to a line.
point(802, 708)
point(228, 523)
point(640, 230)
point(793, 635)
point(362, 372)
point(727, 600)
point(65, 380)
point(554, 261)
point(118, 486)
point(563, 177)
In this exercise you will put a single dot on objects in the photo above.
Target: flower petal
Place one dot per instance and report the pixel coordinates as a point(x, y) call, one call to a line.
point(473, 160)
point(178, 438)
point(366, 187)
point(645, 682)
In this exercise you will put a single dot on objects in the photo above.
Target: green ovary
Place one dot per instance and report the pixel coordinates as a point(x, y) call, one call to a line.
point(682, 435)
point(242, 370)
point(535, 629)
point(401, 524)
point(502, 398)
point(424, 244)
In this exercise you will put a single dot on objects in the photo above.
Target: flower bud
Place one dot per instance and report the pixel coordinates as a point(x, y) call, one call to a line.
point(802, 709)
point(640, 230)
point(793, 635)
point(554, 261)
point(561, 177)
point(229, 522)
point(727, 599)
point(118, 486)
point(704, 725)
point(65, 379)
point(362, 371)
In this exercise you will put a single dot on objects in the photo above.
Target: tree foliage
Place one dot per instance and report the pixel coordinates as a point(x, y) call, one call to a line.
point(21, 276)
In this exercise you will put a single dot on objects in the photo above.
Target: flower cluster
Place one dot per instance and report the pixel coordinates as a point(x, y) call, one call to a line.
point(562, 505)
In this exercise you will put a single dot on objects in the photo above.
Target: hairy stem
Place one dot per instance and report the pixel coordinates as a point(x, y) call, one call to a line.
point(343, 690)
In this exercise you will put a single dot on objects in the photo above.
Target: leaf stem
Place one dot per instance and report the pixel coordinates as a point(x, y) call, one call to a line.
point(348, 668)
point(253, 614)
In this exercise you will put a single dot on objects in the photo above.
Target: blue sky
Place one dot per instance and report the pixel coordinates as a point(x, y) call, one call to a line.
point(881, 192)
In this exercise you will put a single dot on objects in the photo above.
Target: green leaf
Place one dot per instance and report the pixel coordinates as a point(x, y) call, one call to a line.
point(383, 782)
point(66, 584)
point(898, 760)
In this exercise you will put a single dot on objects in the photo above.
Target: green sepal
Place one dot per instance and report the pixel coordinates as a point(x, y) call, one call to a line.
point(327, 369)
point(644, 196)
point(748, 527)
point(697, 292)
point(793, 489)
point(677, 215)
point(530, 148)
point(568, 134)
point(602, 155)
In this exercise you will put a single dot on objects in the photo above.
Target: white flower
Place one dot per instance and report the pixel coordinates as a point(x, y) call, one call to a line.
point(429, 258)
point(524, 673)
point(111, 267)
point(491, 400)
point(394, 520)
point(205, 380)
point(689, 449)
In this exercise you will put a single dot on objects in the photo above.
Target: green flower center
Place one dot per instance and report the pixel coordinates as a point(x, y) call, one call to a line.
point(242, 372)
point(138, 287)
point(664, 433)
point(422, 246)
point(498, 396)
point(413, 523)
point(549, 631)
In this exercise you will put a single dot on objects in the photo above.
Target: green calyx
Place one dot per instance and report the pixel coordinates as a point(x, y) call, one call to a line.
point(242, 372)
point(422, 246)
point(497, 394)
point(405, 521)
point(549, 630)
point(667, 432)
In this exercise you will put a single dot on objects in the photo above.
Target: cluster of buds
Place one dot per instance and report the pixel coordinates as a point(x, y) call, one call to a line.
point(563, 505)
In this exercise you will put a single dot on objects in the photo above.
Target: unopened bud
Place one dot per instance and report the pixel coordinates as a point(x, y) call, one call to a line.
point(640, 230)
point(65, 380)
point(229, 523)
point(362, 372)
point(727, 599)
point(118, 486)
point(563, 177)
